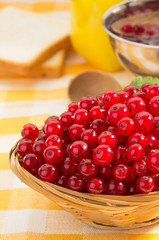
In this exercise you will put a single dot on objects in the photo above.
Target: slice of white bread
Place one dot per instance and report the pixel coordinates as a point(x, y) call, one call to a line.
point(51, 68)
point(28, 39)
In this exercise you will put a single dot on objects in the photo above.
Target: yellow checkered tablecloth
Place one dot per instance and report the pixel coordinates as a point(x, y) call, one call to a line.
point(24, 213)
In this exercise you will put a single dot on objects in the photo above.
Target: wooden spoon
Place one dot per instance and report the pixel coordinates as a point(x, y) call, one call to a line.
point(144, 18)
point(91, 83)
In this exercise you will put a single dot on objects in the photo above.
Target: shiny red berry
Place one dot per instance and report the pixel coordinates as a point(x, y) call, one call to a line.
point(117, 112)
point(136, 105)
point(53, 127)
point(115, 131)
point(30, 131)
point(126, 126)
point(105, 171)
point(141, 95)
point(131, 175)
point(153, 161)
point(32, 162)
point(154, 106)
point(145, 184)
point(79, 150)
point(95, 185)
point(48, 173)
point(85, 103)
point(87, 168)
point(51, 118)
point(138, 138)
point(41, 137)
point(110, 98)
point(61, 181)
point(53, 155)
point(72, 107)
point(123, 96)
point(75, 182)
point(127, 28)
point(103, 154)
point(81, 116)
point(131, 89)
point(107, 138)
point(68, 166)
point(24, 147)
point(152, 91)
point(98, 112)
point(66, 119)
point(152, 141)
point(115, 187)
point(75, 131)
point(145, 86)
point(155, 129)
point(138, 29)
point(39, 147)
point(121, 155)
point(53, 140)
point(120, 172)
point(99, 125)
point(90, 137)
point(140, 167)
point(135, 152)
point(144, 122)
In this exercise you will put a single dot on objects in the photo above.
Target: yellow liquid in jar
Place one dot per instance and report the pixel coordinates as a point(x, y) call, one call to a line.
point(87, 35)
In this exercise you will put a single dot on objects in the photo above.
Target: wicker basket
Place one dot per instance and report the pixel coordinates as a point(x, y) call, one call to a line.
point(102, 211)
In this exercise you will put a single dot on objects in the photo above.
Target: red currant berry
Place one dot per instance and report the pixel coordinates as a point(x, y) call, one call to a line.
point(153, 161)
point(127, 28)
point(152, 91)
point(145, 184)
point(79, 150)
point(75, 182)
point(51, 118)
point(99, 125)
point(145, 86)
point(68, 166)
point(103, 154)
point(120, 171)
point(115, 187)
point(31, 163)
point(24, 147)
point(99, 98)
point(131, 189)
point(41, 137)
point(66, 150)
point(61, 181)
point(94, 101)
point(126, 126)
point(72, 107)
point(39, 147)
point(53, 140)
point(131, 175)
point(85, 103)
point(117, 112)
point(30, 131)
point(98, 112)
point(105, 171)
point(144, 122)
point(81, 116)
point(131, 90)
point(87, 168)
point(123, 96)
point(152, 141)
point(95, 185)
point(121, 155)
point(138, 29)
point(154, 106)
point(107, 138)
point(90, 137)
point(141, 95)
point(75, 131)
point(53, 155)
point(115, 131)
point(54, 127)
point(140, 167)
point(66, 119)
point(48, 173)
point(136, 105)
point(110, 98)
point(135, 152)
point(138, 138)
point(155, 129)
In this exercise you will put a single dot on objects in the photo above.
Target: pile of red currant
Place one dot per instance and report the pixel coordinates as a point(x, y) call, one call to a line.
point(103, 145)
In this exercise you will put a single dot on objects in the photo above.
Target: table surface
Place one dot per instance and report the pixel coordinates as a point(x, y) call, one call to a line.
point(24, 213)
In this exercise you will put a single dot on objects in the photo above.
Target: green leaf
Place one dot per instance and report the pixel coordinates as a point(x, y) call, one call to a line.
point(139, 81)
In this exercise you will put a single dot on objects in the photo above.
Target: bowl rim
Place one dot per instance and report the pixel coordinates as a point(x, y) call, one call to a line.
point(113, 35)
